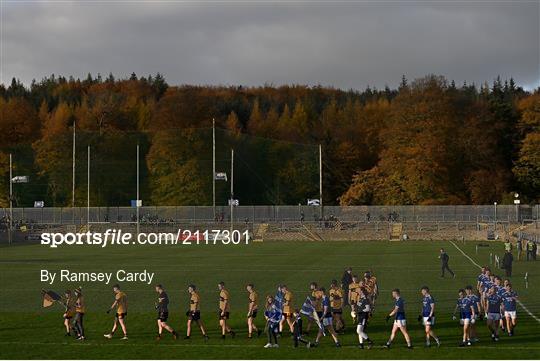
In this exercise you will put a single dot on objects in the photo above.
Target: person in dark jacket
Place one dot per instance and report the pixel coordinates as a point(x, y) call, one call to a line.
point(507, 263)
point(346, 280)
point(444, 263)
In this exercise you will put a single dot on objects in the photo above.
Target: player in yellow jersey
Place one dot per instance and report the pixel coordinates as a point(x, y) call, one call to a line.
point(370, 284)
point(224, 310)
point(288, 309)
point(69, 304)
point(354, 295)
point(316, 299)
point(194, 312)
point(80, 309)
point(336, 303)
point(253, 306)
point(120, 303)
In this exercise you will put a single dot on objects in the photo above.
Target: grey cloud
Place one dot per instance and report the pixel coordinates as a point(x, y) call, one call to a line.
point(344, 44)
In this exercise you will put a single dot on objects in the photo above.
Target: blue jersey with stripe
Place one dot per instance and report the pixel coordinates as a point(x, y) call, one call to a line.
point(494, 303)
point(464, 305)
point(487, 285)
point(509, 300)
point(427, 301)
point(400, 304)
point(474, 301)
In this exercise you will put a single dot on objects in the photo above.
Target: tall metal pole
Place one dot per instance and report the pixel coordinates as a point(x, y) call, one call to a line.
point(320, 180)
point(214, 166)
point(495, 204)
point(232, 188)
point(73, 173)
point(137, 201)
point(10, 199)
point(88, 190)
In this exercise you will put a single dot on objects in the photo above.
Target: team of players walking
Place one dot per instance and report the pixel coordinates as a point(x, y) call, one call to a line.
point(493, 299)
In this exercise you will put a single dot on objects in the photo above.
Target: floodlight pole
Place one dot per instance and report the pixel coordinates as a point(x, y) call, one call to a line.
point(10, 199)
point(320, 181)
point(137, 201)
point(232, 189)
point(73, 172)
point(214, 166)
point(88, 190)
point(73, 178)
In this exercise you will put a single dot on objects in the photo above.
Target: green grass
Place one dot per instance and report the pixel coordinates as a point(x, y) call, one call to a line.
point(28, 331)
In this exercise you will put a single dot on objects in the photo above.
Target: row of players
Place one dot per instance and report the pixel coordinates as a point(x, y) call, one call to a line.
point(495, 300)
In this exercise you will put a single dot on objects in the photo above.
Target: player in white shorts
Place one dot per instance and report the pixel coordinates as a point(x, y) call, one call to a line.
point(428, 316)
point(400, 321)
point(509, 304)
point(467, 314)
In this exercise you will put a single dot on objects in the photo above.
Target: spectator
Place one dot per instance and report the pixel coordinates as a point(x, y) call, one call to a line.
point(530, 246)
point(346, 280)
point(507, 263)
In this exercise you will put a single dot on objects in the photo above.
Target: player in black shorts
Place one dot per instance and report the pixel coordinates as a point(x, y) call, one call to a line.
point(297, 330)
point(162, 307)
point(363, 310)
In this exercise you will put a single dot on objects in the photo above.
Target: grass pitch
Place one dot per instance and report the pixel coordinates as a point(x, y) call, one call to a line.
point(28, 331)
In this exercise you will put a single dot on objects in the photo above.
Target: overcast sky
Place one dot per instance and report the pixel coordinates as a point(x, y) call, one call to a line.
point(349, 44)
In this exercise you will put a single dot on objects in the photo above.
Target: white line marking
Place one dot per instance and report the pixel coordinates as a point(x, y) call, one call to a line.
point(477, 265)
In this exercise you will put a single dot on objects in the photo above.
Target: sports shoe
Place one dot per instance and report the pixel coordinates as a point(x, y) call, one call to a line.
point(410, 347)
point(361, 346)
point(268, 345)
point(174, 335)
point(338, 344)
point(108, 335)
point(187, 337)
point(81, 338)
point(386, 345)
point(124, 338)
point(370, 345)
point(206, 338)
point(308, 345)
point(438, 342)
point(275, 345)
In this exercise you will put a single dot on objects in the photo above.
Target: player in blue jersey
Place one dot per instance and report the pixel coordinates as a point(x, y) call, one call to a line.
point(475, 301)
point(466, 314)
point(400, 321)
point(428, 316)
point(493, 306)
point(488, 282)
point(509, 303)
point(481, 278)
point(500, 290)
point(327, 319)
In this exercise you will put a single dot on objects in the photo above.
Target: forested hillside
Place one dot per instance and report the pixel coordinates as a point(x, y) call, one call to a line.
point(428, 142)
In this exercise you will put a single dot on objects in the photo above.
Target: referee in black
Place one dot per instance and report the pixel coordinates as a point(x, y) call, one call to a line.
point(444, 263)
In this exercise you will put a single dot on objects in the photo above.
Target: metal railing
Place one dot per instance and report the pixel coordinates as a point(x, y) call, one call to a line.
point(367, 214)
